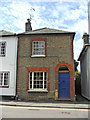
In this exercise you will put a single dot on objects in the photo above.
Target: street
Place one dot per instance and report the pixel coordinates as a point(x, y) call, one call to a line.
point(42, 112)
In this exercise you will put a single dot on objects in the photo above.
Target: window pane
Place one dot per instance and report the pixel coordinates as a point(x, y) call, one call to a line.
point(30, 76)
point(38, 48)
point(30, 86)
point(45, 76)
point(45, 86)
point(30, 79)
point(35, 86)
point(38, 80)
point(4, 78)
point(1, 78)
point(2, 48)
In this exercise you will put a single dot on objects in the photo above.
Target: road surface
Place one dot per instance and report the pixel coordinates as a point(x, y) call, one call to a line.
point(41, 112)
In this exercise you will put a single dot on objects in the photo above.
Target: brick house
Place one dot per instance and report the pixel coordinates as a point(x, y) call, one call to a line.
point(45, 65)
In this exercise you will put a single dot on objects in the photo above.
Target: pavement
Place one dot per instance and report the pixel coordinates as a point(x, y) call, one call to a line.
point(80, 103)
point(46, 105)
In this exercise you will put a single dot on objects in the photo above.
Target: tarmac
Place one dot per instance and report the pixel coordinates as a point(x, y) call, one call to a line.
point(80, 103)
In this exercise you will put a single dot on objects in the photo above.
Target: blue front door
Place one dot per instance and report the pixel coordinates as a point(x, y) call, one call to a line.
point(63, 87)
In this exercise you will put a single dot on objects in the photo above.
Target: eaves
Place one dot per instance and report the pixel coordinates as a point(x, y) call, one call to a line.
point(8, 35)
point(83, 51)
point(45, 33)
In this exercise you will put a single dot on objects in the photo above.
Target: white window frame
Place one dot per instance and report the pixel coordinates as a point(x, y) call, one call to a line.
point(1, 49)
point(37, 89)
point(3, 80)
point(38, 48)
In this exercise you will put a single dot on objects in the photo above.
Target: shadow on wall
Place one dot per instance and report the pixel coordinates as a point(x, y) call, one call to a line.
point(78, 83)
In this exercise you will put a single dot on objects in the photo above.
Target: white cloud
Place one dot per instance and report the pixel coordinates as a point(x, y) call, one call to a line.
point(78, 45)
point(20, 10)
point(3, 8)
point(81, 26)
point(46, 0)
point(56, 16)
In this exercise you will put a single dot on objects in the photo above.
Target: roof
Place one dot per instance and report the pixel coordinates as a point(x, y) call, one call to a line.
point(83, 50)
point(45, 31)
point(6, 33)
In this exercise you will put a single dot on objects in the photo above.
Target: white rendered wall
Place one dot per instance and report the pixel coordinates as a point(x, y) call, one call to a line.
point(89, 20)
point(84, 82)
point(8, 63)
point(85, 76)
point(89, 72)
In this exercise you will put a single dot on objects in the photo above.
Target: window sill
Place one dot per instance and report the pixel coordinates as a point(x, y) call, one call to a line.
point(4, 86)
point(38, 56)
point(2, 55)
point(38, 90)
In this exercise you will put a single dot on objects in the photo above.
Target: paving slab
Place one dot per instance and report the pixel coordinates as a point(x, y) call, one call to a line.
point(53, 105)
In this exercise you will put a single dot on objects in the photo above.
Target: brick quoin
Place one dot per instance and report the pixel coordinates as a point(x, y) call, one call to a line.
point(37, 69)
point(71, 80)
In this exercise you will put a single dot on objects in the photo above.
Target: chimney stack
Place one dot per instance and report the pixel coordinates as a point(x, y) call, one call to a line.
point(28, 26)
point(85, 39)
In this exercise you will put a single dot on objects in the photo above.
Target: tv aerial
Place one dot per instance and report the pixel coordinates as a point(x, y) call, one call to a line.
point(31, 15)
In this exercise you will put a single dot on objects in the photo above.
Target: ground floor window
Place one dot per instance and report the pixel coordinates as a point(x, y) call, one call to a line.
point(4, 78)
point(37, 80)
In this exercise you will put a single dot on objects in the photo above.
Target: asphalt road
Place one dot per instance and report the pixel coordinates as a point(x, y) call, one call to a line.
point(40, 112)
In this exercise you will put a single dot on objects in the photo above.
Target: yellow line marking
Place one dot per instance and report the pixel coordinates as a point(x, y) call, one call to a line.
point(44, 108)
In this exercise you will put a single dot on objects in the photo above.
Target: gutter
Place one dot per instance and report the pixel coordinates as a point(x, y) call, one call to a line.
point(44, 33)
point(8, 35)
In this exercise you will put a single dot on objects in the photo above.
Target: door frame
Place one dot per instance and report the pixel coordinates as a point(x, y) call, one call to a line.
point(71, 80)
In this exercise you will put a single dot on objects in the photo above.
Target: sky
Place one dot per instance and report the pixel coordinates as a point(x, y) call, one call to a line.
point(69, 15)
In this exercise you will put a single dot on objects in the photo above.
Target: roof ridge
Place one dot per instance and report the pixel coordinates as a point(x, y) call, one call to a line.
point(6, 31)
point(50, 29)
point(40, 29)
point(47, 30)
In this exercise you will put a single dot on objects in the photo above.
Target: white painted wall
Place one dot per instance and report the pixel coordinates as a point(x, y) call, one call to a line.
point(89, 20)
point(85, 65)
point(85, 74)
point(89, 72)
point(9, 63)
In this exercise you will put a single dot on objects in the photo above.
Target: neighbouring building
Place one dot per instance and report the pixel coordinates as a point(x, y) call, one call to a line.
point(84, 59)
point(8, 63)
point(45, 68)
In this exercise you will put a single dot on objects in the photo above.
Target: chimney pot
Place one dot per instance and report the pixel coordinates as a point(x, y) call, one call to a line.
point(28, 20)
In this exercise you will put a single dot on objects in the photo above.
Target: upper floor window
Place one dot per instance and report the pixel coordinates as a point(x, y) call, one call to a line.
point(38, 48)
point(2, 48)
point(4, 78)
